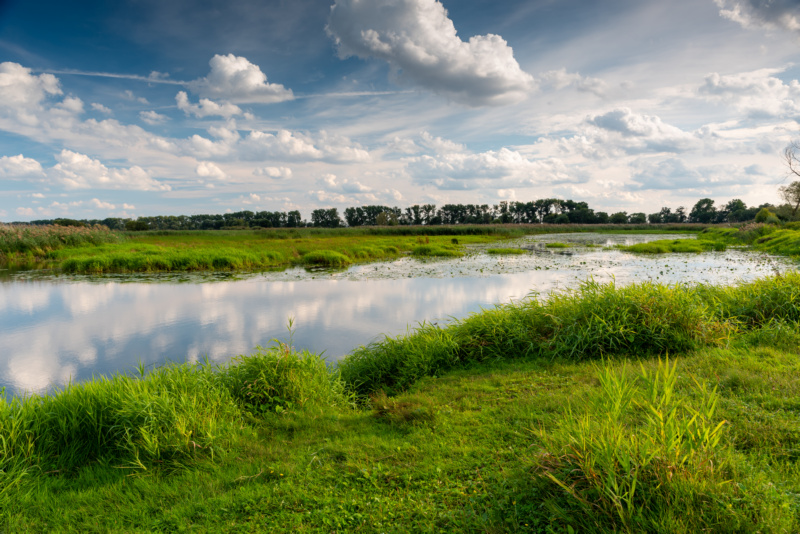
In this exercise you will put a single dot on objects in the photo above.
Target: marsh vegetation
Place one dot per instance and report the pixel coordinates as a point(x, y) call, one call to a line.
point(596, 407)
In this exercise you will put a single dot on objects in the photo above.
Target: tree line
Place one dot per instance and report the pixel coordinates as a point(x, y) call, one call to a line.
point(547, 211)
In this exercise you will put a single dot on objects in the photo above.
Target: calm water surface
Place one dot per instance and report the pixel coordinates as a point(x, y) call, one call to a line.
point(53, 329)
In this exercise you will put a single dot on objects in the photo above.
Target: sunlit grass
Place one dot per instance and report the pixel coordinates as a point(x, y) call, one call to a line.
point(504, 251)
point(545, 415)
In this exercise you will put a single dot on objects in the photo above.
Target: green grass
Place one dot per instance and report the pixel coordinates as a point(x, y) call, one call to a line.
point(504, 251)
point(97, 250)
point(556, 245)
point(436, 251)
point(665, 246)
point(540, 416)
point(24, 244)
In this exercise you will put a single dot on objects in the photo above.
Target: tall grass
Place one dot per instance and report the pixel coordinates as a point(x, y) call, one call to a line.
point(39, 240)
point(589, 322)
point(170, 417)
point(646, 457)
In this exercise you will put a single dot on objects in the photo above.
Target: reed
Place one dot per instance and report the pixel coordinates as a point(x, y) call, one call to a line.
point(37, 241)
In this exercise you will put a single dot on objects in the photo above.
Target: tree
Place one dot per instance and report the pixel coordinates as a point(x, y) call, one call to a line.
point(791, 194)
point(621, 217)
point(637, 218)
point(703, 212)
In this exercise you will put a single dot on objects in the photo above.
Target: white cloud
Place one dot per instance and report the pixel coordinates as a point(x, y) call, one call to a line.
point(768, 14)
point(560, 79)
point(457, 170)
point(418, 38)
point(101, 108)
point(278, 173)
point(758, 93)
point(22, 93)
point(206, 107)
point(26, 212)
point(642, 133)
point(235, 79)
point(206, 169)
point(153, 118)
point(99, 204)
point(675, 174)
point(78, 171)
point(334, 184)
point(19, 167)
point(297, 146)
point(128, 95)
point(440, 145)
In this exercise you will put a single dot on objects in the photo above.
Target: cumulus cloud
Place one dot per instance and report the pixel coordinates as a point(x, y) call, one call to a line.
point(758, 93)
point(768, 14)
point(19, 167)
point(465, 170)
point(101, 108)
point(560, 79)
point(418, 38)
point(78, 171)
point(153, 118)
point(675, 174)
point(643, 133)
point(235, 79)
point(206, 169)
point(302, 147)
point(99, 204)
point(278, 173)
point(22, 93)
point(206, 107)
point(334, 184)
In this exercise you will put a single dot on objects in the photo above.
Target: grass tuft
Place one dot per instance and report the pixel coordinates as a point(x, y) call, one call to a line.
point(327, 258)
point(503, 251)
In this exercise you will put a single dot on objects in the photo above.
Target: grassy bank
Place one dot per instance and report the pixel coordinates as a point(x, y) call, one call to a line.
point(96, 250)
point(542, 416)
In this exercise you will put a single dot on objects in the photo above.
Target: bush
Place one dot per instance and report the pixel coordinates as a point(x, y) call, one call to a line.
point(764, 215)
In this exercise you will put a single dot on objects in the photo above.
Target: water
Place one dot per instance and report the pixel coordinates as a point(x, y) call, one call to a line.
point(56, 329)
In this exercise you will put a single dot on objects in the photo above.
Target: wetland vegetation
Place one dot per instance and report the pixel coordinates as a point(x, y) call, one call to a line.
point(602, 408)
point(674, 411)
point(99, 250)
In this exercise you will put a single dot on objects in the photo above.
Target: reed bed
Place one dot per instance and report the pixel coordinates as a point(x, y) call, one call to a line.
point(37, 241)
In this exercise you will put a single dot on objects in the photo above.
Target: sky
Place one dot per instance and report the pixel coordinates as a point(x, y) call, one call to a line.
point(143, 107)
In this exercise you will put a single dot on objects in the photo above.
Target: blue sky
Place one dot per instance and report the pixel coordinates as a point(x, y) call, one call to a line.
point(144, 107)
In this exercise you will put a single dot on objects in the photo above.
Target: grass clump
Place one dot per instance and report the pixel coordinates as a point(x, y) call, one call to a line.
point(556, 245)
point(665, 246)
point(173, 416)
point(326, 258)
point(504, 251)
point(278, 379)
point(644, 456)
point(436, 251)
